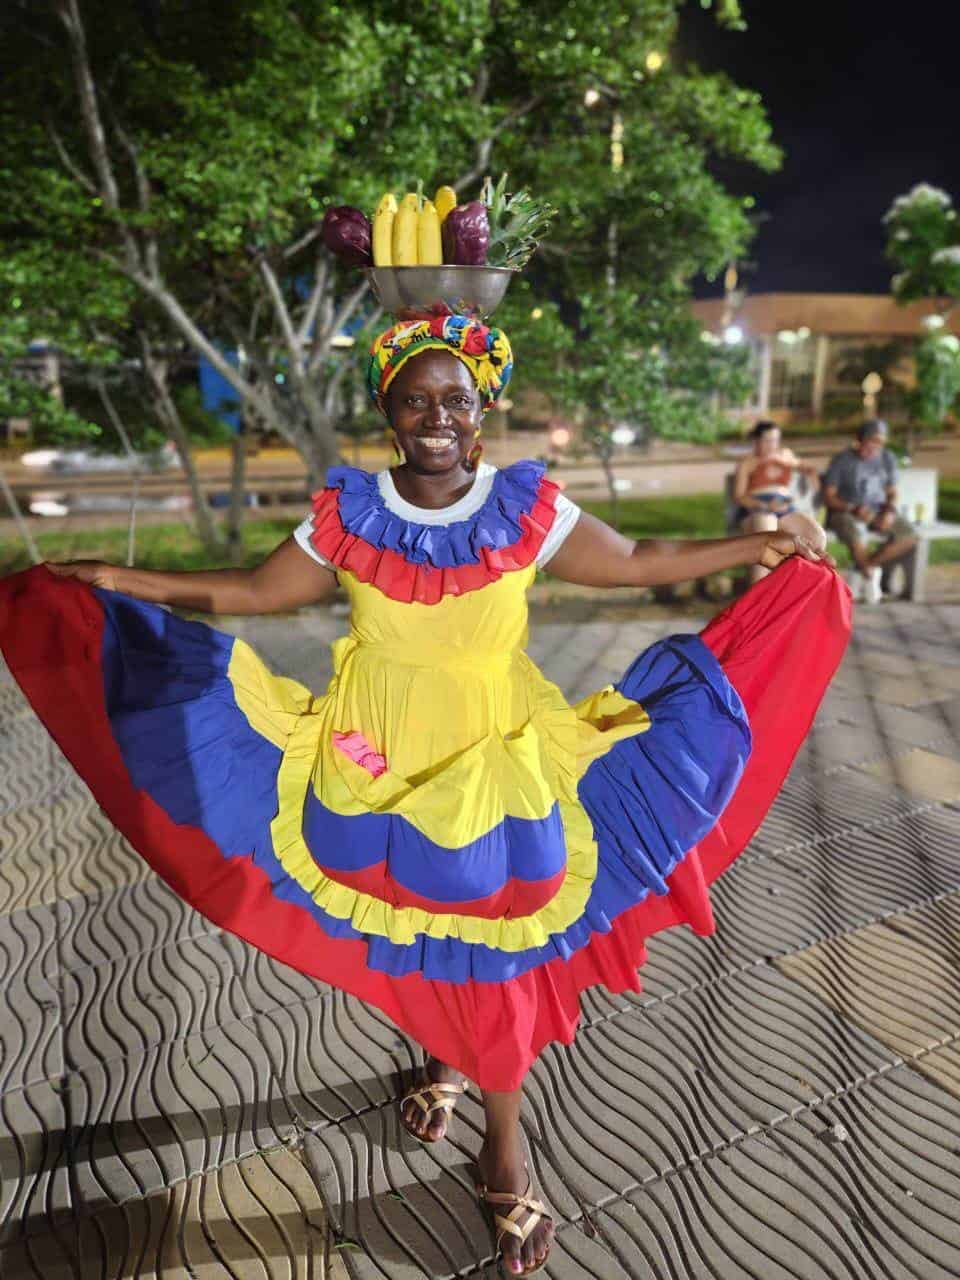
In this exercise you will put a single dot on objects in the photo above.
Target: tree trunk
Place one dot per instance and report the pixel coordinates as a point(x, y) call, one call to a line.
point(114, 416)
point(168, 415)
point(18, 520)
point(606, 461)
point(238, 493)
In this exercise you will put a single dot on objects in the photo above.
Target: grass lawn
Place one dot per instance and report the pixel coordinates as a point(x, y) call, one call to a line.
point(173, 546)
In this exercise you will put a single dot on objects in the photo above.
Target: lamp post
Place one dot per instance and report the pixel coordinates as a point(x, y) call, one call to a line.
point(871, 387)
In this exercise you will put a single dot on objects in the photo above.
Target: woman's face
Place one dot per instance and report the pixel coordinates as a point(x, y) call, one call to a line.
point(434, 409)
point(768, 443)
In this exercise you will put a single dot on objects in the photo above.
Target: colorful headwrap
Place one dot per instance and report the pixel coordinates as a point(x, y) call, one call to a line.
point(486, 353)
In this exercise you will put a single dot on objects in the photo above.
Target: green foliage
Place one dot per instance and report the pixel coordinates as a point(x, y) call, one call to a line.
point(51, 421)
point(247, 120)
point(938, 380)
point(699, 515)
point(923, 241)
point(948, 500)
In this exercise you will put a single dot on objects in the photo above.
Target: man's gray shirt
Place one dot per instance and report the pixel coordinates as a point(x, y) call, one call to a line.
point(862, 480)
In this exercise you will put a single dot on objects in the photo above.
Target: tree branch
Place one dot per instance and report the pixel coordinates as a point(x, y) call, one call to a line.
point(322, 346)
point(485, 145)
point(197, 339)
point(283, 315)
point(69, 163)
point(68, 12)
point(333, 384)
point(313, 303)
point(479, 167)
point(307, 238)
point(144, 195)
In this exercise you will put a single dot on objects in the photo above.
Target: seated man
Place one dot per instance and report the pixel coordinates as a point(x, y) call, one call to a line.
point(860, 491)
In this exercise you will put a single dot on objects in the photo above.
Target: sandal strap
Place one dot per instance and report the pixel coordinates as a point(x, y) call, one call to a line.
point(508, 1224)
point(444, 1096)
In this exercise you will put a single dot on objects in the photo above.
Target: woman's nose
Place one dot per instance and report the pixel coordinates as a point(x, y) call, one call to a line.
point(437, 413)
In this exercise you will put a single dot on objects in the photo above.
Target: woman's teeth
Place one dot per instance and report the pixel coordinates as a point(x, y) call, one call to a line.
point(437, 443)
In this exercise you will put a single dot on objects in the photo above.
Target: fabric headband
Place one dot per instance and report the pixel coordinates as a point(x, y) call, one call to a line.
point(486, 353)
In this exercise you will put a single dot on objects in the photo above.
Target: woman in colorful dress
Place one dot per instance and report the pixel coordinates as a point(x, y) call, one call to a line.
point(440, 833)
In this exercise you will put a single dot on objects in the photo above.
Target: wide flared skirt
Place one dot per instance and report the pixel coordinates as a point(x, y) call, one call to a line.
point(471, 906)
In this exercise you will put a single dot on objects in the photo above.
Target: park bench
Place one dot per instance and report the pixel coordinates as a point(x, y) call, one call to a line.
point(917, 502)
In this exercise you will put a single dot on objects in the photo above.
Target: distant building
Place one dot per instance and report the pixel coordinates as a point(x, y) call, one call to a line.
point(811, 351)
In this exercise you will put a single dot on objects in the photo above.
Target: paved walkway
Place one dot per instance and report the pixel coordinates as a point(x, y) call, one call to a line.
point(780, 1101)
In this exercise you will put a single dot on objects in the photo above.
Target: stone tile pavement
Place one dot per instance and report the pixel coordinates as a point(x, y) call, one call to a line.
point(781, 1100)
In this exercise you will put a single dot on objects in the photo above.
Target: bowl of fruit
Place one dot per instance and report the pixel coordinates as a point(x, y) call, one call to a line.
point(425, 258)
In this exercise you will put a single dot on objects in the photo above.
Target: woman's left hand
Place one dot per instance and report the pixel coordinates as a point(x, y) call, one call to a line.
point(780, 546)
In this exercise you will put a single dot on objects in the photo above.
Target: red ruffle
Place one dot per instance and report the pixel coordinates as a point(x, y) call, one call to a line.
point(399, 579)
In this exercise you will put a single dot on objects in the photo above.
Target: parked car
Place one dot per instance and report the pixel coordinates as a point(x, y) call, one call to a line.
point(79, 461)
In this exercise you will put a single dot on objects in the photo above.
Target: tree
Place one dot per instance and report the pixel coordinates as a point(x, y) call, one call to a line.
point(189, 152)
point(923, 242)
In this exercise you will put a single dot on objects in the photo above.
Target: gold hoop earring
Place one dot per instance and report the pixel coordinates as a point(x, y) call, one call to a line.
point(472, 460)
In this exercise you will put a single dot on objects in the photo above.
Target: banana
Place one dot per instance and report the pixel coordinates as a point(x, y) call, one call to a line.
point(445, 200)
point(405, 226)
point(429, 243)
point(383, 221)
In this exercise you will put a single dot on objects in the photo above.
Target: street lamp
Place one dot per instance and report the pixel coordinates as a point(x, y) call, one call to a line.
point(654, 61)
point(871, 387)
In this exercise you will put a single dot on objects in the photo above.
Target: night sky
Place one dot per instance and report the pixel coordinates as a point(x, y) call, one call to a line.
point(862, 98)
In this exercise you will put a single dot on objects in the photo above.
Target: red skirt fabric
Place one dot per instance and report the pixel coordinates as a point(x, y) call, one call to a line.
point(778, 647)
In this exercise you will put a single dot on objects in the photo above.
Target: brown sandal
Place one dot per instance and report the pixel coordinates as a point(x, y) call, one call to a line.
point(507, 1224)
point(432, 1096)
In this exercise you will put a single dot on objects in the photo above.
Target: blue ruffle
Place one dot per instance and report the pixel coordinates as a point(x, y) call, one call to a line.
point(495, 525)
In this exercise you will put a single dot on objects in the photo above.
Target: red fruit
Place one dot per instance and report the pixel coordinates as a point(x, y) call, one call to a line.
point(346, 232)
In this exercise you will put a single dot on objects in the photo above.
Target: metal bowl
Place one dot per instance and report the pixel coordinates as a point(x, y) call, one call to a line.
point(419, 293)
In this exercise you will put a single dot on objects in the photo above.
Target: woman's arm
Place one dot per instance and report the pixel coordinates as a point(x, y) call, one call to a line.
point(287, 579)
point(594, 555)
point(741, 482)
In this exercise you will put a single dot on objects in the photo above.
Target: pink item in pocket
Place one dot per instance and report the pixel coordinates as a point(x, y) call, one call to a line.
point(355, 745)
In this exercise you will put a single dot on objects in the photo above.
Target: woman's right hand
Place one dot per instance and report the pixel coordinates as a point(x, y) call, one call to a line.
point(96, 573)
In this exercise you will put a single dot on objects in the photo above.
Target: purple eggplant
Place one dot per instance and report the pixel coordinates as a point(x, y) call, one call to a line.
point(346, 232)
point(466, 235)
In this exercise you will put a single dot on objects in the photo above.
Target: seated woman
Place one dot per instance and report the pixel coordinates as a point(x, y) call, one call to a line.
point(762, 489)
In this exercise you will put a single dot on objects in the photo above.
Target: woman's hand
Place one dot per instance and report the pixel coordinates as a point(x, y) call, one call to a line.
point(96, 573)
point(798, 535)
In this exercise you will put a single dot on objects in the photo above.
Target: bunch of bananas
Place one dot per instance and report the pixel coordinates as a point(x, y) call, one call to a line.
point(410, 234)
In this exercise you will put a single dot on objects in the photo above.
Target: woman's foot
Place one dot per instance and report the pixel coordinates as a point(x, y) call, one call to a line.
point(415, 1110)
point(503, 1169)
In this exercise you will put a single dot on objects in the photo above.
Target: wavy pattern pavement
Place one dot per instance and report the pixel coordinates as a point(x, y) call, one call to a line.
point(779, 1101)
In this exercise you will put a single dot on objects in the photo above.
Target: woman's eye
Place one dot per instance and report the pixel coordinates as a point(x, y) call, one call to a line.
point(460, 401)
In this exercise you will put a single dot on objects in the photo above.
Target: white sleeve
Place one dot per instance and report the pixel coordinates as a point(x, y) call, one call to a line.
point(567, 515)
point(302, 535)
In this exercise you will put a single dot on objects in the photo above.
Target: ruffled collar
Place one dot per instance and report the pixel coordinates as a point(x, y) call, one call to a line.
point(354, 530)
point(493, 526)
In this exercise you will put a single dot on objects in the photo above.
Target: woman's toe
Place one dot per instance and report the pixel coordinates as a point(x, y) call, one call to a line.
point(511, 1256)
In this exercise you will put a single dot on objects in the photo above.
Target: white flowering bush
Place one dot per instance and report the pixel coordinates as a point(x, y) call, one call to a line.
point(938, 379)
point(923, 243)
